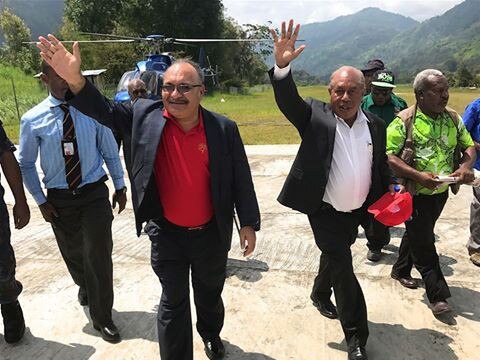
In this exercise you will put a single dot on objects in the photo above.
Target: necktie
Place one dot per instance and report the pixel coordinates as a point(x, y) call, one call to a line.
point(73, 170)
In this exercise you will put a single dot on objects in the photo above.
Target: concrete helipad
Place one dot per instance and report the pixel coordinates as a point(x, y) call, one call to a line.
point(268, 311)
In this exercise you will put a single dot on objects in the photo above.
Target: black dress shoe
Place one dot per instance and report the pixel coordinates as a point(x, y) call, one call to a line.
point(82, 297)
point(326, 308)
point(407, 282)
point(374, 255)
point(214, 348)
point(13, 322)
point(440, 307)
point(357, 353)
point(109, 332)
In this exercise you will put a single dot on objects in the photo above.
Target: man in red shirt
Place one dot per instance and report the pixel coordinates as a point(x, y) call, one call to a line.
point(189, 171)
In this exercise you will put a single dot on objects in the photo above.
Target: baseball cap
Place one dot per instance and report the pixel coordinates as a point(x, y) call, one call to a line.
point(384, 78)
point(374, 64)
point(392, 209)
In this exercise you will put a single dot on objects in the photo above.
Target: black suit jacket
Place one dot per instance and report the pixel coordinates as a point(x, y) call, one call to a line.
point(305, 184)
point(231, 180)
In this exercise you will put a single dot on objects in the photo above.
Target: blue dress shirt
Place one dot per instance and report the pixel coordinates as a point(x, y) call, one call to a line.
point(41, 128)
point(471, 119)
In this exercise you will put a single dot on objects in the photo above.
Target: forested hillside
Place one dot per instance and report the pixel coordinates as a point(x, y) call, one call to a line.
point(449, 42)
point(347, 39)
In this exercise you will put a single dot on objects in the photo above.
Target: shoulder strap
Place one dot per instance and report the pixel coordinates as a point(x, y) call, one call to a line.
point(408, 117)
point(454, 115)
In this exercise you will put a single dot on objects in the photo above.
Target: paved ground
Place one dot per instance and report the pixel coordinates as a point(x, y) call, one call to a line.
point(268, 312)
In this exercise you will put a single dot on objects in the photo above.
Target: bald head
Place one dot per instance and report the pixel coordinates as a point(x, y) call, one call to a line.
point(347, 72)
point(346, 89)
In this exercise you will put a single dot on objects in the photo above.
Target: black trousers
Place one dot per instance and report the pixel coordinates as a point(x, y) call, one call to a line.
point(83, 232)
point(376, 233)
point(334, 233)
point(418, 246)
point(174, 254)
point(9, 287)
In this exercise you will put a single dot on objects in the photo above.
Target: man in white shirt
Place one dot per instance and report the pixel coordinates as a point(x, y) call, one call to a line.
point(340, 169)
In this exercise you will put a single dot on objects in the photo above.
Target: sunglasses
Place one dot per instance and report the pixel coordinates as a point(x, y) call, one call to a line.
point(384, 92)
point(181, 88)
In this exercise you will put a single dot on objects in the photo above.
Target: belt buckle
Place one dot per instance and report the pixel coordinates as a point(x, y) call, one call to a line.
point(195, 228)
point(76, 191)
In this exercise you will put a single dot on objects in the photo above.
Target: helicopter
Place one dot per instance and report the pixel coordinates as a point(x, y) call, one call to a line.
point(154, 64)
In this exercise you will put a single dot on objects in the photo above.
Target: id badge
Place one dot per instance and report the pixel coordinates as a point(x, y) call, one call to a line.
point(68, 148)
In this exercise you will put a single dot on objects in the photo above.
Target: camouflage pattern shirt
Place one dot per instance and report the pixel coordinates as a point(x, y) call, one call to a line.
point(434, 141)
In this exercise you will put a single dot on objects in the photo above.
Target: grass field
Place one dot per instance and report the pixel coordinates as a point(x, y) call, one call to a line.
point(257, 115)
point(261, 122)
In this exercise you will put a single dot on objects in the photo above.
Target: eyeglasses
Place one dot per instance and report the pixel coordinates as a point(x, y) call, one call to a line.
point(383, 92)
point(181, 88)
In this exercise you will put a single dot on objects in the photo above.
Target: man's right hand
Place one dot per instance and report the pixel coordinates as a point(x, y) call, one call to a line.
point(65, 64)
point(284, 45)
point(48, 211)
point(21, 214)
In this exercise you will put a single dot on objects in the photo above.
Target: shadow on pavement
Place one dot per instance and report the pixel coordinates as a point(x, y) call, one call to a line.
point(464, 302)
point(233, 352)
point(246, 270)
point(395, 342)
point(130, 324)
point(32, 347)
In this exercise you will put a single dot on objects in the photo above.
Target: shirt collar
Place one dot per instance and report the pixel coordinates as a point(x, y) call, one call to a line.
point(199, 127)
point(52, 101)
point(361, 117)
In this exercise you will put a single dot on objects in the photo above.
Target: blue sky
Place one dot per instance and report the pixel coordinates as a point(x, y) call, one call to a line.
point(261, 11)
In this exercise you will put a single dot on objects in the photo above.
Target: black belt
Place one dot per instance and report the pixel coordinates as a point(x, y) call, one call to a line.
point(164, 223)
point(78, 191)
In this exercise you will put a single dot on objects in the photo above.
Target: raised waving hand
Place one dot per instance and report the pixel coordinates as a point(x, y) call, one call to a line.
point(284, 44)
point(65, 63)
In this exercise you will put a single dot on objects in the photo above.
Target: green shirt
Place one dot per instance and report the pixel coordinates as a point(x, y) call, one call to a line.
point(388, 111)
point(434, 141)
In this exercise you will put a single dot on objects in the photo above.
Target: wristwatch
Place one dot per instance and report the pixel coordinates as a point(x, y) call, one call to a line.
point(121, 191)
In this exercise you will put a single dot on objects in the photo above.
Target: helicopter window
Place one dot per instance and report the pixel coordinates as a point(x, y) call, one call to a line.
point(126, 77)
point(159, 66)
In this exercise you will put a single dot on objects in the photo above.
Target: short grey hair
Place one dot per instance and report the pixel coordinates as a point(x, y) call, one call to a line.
point(198, 69)
point(422, 78)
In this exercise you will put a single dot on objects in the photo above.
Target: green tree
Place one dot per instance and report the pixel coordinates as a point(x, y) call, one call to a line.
point(243, 63)
point(464, 76)
point(173, 18)
point(14, 52)
point(93, 15)
point(116, 58)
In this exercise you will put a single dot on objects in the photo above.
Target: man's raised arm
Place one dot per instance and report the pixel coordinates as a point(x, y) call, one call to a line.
point(65, 64)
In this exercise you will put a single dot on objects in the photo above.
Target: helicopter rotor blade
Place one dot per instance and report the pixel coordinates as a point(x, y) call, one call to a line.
point(88, 41)
point(114, 36)
point(221, 40)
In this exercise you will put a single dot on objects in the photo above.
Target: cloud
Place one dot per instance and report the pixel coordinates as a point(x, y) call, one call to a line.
point(262, 11)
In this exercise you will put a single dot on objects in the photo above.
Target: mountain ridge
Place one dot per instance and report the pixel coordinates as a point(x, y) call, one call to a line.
point(407, 46)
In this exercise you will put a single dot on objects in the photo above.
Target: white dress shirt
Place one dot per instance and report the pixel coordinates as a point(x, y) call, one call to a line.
point(351, 168)
point(350, 174)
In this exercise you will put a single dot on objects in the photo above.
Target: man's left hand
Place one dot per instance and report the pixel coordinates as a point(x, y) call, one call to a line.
point(465, 175)
point(121, 199)
point(248, 239)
